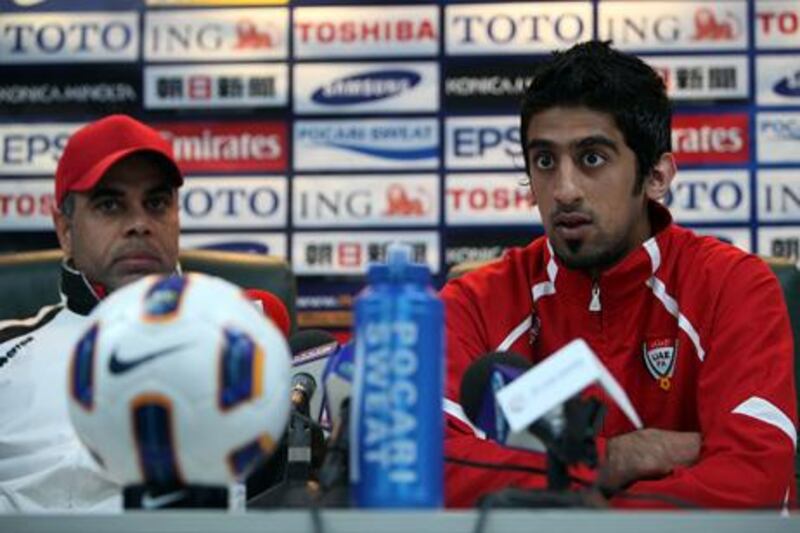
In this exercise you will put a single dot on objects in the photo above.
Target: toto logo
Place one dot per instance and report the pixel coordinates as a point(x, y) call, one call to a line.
point(77, 37)
point(366, 87)
point(261, 202)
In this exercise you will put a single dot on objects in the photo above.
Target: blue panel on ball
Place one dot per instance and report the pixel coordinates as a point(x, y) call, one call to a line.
point(155, 445)
point(236, 368)
point(83, 368)
point(163, 299)
point(243, 459)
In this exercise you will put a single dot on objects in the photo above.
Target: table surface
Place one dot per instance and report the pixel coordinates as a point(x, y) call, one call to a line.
point(356, 521)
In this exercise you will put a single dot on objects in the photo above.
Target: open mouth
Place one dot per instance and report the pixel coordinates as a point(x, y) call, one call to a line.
point(572, 225)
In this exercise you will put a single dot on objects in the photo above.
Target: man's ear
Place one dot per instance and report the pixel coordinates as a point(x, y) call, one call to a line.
point(63, 227)
point(656, 184)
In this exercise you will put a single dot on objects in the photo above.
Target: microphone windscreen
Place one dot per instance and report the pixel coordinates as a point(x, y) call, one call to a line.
point(476, 381)
point(312, 343)
point(272, 307)
point(338, 381)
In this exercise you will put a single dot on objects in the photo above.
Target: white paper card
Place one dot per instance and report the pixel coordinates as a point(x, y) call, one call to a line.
point(555, 380)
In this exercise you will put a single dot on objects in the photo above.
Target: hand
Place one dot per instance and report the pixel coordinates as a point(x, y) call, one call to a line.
point(647, 453)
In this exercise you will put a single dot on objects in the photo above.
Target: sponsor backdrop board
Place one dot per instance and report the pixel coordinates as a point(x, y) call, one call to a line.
point(321, 130)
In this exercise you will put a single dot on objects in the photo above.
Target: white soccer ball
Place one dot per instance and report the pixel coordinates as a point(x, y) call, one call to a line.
point(179, 380)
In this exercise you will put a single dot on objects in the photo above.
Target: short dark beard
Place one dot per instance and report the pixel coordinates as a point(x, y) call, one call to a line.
point(593, 263)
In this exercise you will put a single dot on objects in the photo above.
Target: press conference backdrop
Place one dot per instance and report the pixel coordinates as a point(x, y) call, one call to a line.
point(321, 130)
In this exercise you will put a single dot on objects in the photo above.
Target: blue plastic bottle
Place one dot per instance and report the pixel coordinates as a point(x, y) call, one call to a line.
point(396, 450)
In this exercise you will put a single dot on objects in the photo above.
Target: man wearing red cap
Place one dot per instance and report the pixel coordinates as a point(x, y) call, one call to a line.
point(116, 220)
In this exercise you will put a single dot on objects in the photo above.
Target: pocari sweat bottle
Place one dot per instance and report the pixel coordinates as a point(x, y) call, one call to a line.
point(396, 446)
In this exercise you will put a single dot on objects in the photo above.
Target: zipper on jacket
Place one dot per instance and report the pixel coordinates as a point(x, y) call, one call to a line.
point(594, 304)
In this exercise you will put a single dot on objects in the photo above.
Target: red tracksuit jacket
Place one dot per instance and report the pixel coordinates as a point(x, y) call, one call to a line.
point(714, 314)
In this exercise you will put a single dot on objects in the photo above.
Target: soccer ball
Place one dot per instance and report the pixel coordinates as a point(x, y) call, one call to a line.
point(179, 380)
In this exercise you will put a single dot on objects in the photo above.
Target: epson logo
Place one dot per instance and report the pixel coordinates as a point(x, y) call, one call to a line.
point(366, 87)
point(68, 37)
point(475, 142)
point(33, 152)
point(781, 129)
point(231, 202)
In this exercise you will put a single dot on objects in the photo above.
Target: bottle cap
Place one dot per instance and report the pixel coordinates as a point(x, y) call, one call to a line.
point(398, 267)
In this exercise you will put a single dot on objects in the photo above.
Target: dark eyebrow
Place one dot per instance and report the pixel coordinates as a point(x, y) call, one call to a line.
point(601, 140)
point(159, 189)
point(591, 140)
point(111, 192)
point(539, 143)
point(105, 192)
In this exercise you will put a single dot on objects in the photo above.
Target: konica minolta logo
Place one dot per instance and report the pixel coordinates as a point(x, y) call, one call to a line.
point(366, 87)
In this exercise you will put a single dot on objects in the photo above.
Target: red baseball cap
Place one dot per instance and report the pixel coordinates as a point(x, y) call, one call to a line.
point(94, 148)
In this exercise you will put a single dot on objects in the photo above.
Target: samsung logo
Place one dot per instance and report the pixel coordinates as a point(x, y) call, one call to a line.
point(366, 87)
point(788, 86)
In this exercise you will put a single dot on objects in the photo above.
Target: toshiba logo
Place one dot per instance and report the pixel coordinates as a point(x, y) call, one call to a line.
point(377, 31)
point(366, 31)
point(698, 139)
point(484, 199)
point(228, 147)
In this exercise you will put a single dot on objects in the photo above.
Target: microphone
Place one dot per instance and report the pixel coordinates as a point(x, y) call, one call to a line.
point(303, 387)
point(311, 349)
point(272, 307)
point(287, 484)
point(338, 380)
point(565, 431)
point(479, 385)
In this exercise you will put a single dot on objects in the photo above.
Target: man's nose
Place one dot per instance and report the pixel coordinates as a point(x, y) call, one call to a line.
point(139, 222)
point(567, 189)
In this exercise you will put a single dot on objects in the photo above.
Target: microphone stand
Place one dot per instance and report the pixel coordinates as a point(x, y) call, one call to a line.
point(298, 488)
point(333, 475)
point(566, 446)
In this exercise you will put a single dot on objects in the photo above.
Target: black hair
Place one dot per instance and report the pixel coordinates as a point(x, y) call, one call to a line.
point(595, 76)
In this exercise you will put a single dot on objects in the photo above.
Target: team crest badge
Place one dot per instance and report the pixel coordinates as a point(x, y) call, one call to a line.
point(659, 358)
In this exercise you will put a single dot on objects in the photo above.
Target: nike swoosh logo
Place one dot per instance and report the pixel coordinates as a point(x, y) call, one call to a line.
point(157, 502)
point(115, 366)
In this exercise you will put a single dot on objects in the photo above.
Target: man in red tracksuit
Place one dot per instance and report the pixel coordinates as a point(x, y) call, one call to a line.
point(696, 331)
